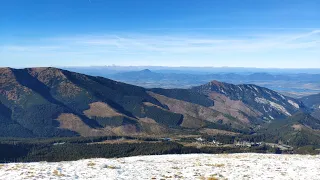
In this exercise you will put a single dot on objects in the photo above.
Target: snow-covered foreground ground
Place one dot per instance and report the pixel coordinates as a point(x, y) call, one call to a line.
point(192, 166)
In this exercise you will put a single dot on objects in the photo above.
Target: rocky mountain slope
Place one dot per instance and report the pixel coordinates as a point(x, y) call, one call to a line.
point(250, 102)
point(50, 102)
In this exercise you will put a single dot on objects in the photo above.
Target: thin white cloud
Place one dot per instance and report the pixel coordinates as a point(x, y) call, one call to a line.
point(188, 44)
point(177, 44)
point(189, 48)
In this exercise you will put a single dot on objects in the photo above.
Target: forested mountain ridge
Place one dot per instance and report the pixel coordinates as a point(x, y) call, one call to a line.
point(55, 102)
point(51, 102)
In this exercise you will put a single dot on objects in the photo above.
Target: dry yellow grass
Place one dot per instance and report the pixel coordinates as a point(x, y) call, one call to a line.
point(73, 122)
point(219, 165)
point(167, 177)
point(217, 131)
point(150, 104)
point(14, 168)
point(147, 120)
point(208, 178)
point(57, 173)
point(91, 164)
point(215, 165)
point(110, 167)
point(100, 109)
point(212, 178)
point(297, 127)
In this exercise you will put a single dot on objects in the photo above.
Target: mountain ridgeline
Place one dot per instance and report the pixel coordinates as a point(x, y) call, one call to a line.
point(51, 102)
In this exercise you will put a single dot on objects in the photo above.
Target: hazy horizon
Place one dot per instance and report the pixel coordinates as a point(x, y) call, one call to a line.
point(113, 69)
point(169, 67)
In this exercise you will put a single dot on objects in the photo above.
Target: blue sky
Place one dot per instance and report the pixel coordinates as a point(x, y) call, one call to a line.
point(246, 33)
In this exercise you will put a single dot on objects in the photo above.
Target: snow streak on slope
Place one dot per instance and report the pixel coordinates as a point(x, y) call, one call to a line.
point(273, 105)
point(192, 166)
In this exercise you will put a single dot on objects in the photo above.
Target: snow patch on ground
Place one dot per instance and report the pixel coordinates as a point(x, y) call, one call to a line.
point(222, 91)
point(264, 109)
point(268, 92)
point(255, 88)
point(191, 166)
point(274, 98)
point(274, 105)
point(281, 96)
point(261, 100)
point(294, 104)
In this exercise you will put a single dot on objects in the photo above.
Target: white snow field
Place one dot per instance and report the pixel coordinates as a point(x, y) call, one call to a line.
point(191, 166)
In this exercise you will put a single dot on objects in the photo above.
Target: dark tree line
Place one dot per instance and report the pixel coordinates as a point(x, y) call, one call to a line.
point(75, 148)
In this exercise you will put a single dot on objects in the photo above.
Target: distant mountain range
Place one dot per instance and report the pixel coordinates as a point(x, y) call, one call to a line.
point(50, 102)
point(190, 70)
point(148, 74)
point(294, 85)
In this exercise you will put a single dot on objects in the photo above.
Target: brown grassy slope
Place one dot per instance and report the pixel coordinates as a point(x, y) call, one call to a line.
point(234, 108)
point(100, 109)
point(195, 115)
point(10, 87)
point(74, 123)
